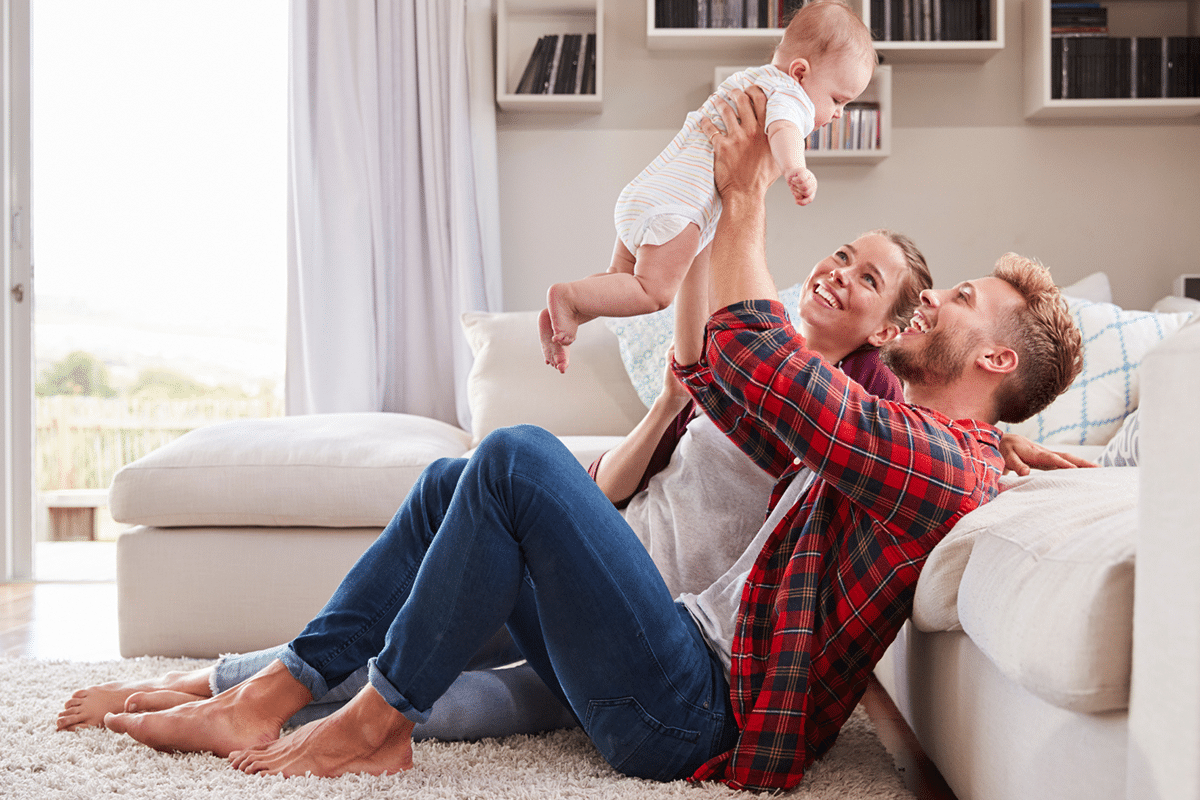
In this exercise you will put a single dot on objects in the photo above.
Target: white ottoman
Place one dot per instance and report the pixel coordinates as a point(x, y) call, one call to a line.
point(245, 528)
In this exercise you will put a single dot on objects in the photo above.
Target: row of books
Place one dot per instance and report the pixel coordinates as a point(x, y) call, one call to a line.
point(724, 13)
point(1078, 19)
point(1122, 66)
point(931, 20)
point(561, 64)
point(857, 129)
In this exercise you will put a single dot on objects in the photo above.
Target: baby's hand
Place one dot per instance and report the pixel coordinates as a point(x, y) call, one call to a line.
point(803, 185)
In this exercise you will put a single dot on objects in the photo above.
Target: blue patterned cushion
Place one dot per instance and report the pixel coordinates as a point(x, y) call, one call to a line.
point(644, 341)
point(1093, 408)
point(1122, 449)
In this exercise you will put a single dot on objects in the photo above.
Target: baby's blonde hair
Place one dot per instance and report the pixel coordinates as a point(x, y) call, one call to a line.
point(826, 26)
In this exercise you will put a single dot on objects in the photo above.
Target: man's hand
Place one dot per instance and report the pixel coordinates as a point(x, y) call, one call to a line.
point(742, 161)
point(1020, 455)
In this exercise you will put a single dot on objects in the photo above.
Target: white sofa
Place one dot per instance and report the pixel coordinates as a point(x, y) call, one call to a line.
point(1015, 673)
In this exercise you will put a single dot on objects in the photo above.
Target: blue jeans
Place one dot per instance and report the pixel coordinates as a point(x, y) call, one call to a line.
point(491, 698)
point(521, 535)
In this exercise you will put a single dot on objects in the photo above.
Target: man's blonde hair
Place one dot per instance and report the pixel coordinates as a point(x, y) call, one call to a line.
point(1043, 333)
point(826, 26)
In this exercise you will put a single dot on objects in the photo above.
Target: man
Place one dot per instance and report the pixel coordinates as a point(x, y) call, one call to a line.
point(520, 534)
point(831, 587)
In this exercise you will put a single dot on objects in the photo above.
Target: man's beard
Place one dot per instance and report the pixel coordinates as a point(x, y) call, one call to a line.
point(940, 361)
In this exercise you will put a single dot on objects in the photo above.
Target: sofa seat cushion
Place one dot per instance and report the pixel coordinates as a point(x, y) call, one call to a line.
point(323, 470)
point(1046, 591)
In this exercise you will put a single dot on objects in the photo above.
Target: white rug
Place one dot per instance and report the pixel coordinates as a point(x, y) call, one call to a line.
point(37, 762)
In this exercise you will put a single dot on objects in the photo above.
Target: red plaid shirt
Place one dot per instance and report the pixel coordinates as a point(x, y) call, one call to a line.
point(835, 580)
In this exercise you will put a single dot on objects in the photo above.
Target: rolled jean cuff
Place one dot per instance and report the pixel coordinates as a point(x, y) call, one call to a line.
point(233, 668)
point(393, 698)
point(309, 677)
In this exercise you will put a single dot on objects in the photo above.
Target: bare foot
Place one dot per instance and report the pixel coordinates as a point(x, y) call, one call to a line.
point(159, 700)
point(564, 318)
point(86, 708)
point(248, 715)
point(555, 353)
point(364, 736)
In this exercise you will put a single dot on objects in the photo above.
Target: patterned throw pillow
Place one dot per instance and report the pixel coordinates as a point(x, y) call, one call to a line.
point(1122, 449)
point(1093, 408)
point(644, 341)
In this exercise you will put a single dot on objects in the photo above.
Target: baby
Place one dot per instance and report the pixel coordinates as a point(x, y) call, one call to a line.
point(666, 216)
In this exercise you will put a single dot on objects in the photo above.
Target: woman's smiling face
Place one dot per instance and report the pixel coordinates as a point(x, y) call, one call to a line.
point(848, 296)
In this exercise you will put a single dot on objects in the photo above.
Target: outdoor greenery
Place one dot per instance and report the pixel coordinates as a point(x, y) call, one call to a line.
point(87, 429)
point(80, 374)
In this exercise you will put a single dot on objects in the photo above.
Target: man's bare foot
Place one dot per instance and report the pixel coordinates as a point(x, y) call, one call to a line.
point(248, 715)
point(564, 318)
point(555, 353)
point(365, 736)
point(86, 708)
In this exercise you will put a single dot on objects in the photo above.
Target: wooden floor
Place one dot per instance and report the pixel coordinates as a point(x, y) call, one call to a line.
point(77, 621)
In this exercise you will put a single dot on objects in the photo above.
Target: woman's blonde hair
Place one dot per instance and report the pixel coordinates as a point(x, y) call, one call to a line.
point(916, 280)
point(1043, 333)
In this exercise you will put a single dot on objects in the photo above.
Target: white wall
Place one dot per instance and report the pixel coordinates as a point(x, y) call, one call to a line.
point(968, 177)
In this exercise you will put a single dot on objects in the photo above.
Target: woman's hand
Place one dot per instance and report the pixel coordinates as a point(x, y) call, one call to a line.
point(673, 395)
point(1021, 455)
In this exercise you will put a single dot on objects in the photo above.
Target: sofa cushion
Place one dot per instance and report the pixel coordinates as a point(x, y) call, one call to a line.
point(1095, 405)
point(510, 383)
point(325, 470)
point(1047, 593)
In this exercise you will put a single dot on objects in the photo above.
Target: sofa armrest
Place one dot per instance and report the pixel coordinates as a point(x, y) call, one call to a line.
point(1164, 709)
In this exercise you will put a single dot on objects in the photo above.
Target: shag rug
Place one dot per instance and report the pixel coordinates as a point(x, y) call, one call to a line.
point(38, 762)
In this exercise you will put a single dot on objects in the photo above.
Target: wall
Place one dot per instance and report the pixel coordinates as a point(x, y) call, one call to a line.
point(968, 177)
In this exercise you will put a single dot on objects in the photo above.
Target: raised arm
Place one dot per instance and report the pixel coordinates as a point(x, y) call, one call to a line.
point(743, 170)
point(620, 471)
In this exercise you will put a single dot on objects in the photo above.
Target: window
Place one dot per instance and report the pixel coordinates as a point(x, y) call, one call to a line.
point(159, 146)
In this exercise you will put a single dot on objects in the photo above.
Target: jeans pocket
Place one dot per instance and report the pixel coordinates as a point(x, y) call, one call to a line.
point(636, 744)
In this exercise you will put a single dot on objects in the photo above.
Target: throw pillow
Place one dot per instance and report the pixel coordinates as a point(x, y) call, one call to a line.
point(1094, 287)
point(509, 382)
point(644, 341)
point(1106, 391)
point(1122, 449)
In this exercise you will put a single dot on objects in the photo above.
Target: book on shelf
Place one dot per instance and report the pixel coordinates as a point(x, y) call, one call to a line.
point(560, 64)
point(723, 13)
point(931, 20)
point(1083, 67)
point(859, 128)
point(1078, 19)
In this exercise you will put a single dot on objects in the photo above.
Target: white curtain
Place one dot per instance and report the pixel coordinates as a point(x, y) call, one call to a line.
point(393, 203)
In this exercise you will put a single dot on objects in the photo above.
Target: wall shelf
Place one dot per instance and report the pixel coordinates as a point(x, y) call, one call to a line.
point(879, 90)
point(519, 25)
point(894, 52)
point(1126, 18)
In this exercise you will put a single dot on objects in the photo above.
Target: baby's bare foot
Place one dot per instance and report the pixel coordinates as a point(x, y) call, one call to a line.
point(564, 319)
point(87, 707)
point(554, 353)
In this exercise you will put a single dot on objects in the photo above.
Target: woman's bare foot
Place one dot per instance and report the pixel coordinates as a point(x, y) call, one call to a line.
point(248, 715)
point(365, 736)
point(86, 708)
point(555, 353)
